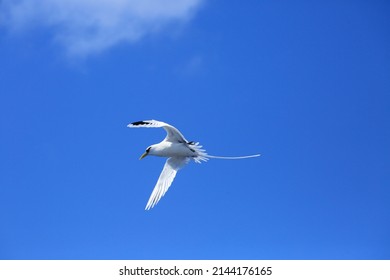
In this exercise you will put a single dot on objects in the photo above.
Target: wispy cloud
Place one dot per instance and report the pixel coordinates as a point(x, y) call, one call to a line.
point(86, 27)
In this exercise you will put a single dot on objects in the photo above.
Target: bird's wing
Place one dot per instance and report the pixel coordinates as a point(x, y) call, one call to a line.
point(172, 165)
point(173, 134)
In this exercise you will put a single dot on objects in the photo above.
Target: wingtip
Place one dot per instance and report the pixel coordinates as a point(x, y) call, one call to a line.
point(148, 207)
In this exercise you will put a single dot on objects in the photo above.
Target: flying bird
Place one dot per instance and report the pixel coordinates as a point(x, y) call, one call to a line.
point(179, 152)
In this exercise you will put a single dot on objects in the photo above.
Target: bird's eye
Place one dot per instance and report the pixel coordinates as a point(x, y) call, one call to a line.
point(148, 149)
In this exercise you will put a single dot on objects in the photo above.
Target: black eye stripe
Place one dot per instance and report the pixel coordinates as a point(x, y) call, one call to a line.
point(148, 149)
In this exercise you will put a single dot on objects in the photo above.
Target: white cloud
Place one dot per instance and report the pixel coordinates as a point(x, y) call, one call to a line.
point(85, 27)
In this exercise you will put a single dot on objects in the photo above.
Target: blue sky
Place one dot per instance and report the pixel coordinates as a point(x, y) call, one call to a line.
point(306, 84)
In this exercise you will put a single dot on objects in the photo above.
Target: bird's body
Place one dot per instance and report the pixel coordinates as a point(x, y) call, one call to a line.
point(171, 149)
point(179, 152)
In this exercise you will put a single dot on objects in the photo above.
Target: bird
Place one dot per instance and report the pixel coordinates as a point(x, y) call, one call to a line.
point(179, 152)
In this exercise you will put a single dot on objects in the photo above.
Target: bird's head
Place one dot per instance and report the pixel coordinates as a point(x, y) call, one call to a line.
point(147, 151)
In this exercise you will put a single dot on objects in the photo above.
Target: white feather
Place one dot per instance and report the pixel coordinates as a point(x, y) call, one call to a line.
point(172, 165)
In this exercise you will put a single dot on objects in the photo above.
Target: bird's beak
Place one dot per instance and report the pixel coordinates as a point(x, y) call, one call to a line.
point(143, 155)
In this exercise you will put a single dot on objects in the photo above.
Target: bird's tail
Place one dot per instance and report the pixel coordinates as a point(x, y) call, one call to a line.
point(241, 157)
point(201, 154)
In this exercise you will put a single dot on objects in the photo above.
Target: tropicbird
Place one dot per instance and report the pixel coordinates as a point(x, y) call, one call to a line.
point(179, 152)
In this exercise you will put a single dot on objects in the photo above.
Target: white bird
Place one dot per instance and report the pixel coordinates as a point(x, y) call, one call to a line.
point(178, 150)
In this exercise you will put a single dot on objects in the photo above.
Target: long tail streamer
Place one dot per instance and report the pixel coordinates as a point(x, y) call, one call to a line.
point(242, 157)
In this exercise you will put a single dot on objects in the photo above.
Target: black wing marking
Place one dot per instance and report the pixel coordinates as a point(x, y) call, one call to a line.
point(140, 123)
